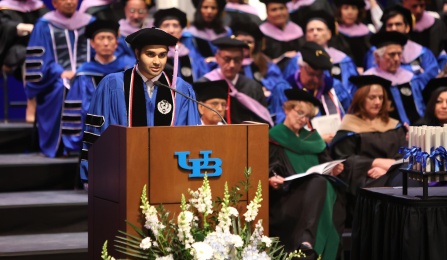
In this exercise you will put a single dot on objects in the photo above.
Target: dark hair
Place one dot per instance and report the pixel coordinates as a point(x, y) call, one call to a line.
point(395, 13)
point(429, 116)
point(361, 15)
point(217, 24)
point(259, 58)
point(358, 101)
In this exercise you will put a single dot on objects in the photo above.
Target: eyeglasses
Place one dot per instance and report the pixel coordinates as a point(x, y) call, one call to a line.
point(301, 114)
point(217, 104)
point(139, 11)
point(227, 59)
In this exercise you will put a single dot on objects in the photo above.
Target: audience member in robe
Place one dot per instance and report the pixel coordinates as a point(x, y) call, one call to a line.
point(213, 94)
point(351, 30)
point(415, 57)
point(310, 76)
point(406, 88)
point(320, 27)
point(435, 97)
point(234, 8)
point(299, 8)
point(191, 65)
point(428, 30)
point(57, 47)
point(308, 212)
point(246, 98)
point(281, 35)
point(103, 35)
point(255, 64)
point(132, 98)
point(135, 12)
point(101, 9)
point(17, 19)
point(207, 26)
point(369, 139)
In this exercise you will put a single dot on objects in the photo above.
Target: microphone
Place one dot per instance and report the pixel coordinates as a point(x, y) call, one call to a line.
point(158, 83)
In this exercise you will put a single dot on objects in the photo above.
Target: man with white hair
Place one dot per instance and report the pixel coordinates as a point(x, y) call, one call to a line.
point(406, 90)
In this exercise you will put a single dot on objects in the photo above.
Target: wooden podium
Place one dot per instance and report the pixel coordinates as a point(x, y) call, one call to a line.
point(124, 159)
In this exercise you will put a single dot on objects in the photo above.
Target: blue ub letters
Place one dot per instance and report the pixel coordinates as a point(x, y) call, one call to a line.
point(196, 166)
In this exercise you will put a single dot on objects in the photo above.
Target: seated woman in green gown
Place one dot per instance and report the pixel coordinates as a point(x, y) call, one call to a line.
point(306, 213)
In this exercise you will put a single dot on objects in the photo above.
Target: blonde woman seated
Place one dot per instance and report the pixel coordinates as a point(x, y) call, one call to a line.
point(368, 138)
point(308, 212)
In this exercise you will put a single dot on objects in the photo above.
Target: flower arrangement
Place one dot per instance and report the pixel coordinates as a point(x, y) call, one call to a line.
point(205, 229)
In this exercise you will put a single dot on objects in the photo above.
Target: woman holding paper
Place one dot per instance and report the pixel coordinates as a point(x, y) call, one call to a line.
point(308, 212)
point(368, 138)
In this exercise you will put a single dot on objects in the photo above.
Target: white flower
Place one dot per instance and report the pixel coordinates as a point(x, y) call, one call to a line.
point(201, 199)
point(202, 251)
point(233, 211)
point(146, 243)
point(266, 240)
point(168, 257)
point(237, 241)
point(184, 228)
point(255, 204)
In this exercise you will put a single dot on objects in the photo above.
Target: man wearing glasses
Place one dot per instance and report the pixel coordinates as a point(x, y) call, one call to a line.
point(313, 61)
point(246, 97)
point(213, 94)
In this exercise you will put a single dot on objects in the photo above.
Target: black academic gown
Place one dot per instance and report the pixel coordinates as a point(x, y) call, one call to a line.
point(295, 208)
point(361, 149)
point(239, 112)
point(13, 47)
point(433, 38)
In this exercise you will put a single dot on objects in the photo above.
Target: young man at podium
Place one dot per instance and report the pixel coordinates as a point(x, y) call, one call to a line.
point(213, 94)
point(133, 98)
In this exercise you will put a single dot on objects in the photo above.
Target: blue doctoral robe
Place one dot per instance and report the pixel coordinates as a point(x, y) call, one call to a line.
point(424, 65)
point(342, 70)
point(109, 102)
point(331, 87)
point(52, 50)
point(272, 80)
point(77, 101)
point(405, 94)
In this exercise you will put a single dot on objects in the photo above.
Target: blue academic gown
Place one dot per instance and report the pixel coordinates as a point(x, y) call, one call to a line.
point(77, 101)
point(427, 66)
point(44, 81)
point(271, 81)
point(347, 68)
point(330, 85)
point(109, 102)
point(190, 41)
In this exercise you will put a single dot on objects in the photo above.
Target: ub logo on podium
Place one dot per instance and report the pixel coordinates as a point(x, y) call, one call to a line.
point(196, 166)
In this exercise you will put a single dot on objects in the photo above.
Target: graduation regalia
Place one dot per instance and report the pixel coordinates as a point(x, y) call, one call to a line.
point(109, 107)
point(356, 38)
point(431, 33)
point(278, 41)
point(12, 46)
point(238, 112)
point(308, 209)
point(77, 101)
point(57, 44)
point(300, 8)
point(415, 58)
point(405, 94)
point(360, 143)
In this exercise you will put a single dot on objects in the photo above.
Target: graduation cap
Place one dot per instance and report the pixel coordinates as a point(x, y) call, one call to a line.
point(211, 89)
point(301, 95)
point(150, 36)
point(398, 9)
point(359, 3)
point(319, 15)
point(266, 2)
point(366, 80)
point(384, 38)
point(220, 4)
point(228, 42)
point(98, 26)
point(315, 55)
point(170, 14)
point(431, 86)
point(241, 24)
